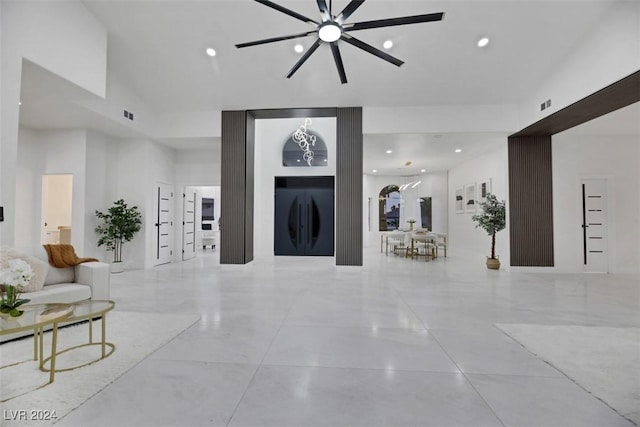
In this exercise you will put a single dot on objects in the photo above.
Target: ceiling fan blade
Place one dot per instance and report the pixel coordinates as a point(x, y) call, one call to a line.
point(287, 11)
point(324, 10)
point(276, 39)
point(306, 56)
point(339, 65)
point(348, 10)
point(378, 23)
point(372, 50)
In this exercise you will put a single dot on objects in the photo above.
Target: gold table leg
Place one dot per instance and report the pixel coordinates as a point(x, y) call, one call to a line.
point(104, 333)
point(54, 343)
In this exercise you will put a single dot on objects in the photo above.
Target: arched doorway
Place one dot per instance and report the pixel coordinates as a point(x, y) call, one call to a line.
point(389, 204)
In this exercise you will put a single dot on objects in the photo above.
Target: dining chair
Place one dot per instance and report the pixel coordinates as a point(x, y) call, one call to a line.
point(441, 242)
point(396, 239)
point(421, 245)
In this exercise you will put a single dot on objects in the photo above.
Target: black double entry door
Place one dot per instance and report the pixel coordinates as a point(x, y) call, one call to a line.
point(304, 210)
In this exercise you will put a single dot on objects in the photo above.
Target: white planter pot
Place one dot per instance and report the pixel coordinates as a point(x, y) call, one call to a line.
point(117, 267)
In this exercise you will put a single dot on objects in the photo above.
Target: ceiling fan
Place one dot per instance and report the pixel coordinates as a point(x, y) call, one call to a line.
point(333, 28)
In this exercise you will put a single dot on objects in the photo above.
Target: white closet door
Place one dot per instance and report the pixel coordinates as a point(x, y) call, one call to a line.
point(595, 233)
point(188, 224)
point(163, 223)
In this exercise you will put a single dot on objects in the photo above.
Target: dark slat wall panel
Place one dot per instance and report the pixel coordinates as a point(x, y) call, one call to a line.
point(531, 201)
point(233, 188)
point(237, 185)
point(349, 186)
point(530, 186)
point(617, 95)
point(249, 186)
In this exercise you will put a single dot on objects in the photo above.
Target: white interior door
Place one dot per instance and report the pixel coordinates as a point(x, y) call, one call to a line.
point(189, 224)
point(164, 223)
point(57, 198)
point(595, 233)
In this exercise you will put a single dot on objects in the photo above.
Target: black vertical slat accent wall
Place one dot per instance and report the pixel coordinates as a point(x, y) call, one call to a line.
point(235, 203)
point(349, 186)
point(531, 201)
point(237, 183)
point(249, 186)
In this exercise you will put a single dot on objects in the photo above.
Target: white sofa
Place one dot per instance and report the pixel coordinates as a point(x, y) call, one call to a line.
point(89, 280)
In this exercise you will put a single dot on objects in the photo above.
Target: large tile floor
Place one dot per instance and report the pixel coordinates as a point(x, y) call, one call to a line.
point(299, 341)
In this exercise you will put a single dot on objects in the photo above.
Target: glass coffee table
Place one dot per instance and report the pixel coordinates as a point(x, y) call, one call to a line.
point(36, 317)
point(87, 310)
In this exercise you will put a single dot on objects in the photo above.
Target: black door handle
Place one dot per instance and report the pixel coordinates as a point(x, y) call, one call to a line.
point(300, 224)
point(308, 226)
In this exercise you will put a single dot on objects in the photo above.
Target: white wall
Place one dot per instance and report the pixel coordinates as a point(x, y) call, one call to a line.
point(41, 32)
point(198, 167)
point(615, 158)
point(607, 53)
point(444, 118)
point(49, 152)
point(464, 238)
point(62, 37)
point(140, 165)
point(28, 183)
point(433, 185)
point(101, 158)
point(104, 169)
point(271, 135)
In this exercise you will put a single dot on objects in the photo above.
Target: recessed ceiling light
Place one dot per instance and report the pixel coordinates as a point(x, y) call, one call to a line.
point(211, 52)
point(298, 48)
point(389, 151)
point(374, 171)
point(388, 44)
point(458, 150)
point(423, 170)
point(483, 42)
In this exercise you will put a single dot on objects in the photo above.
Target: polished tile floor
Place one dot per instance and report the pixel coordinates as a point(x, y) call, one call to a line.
point(301, 342)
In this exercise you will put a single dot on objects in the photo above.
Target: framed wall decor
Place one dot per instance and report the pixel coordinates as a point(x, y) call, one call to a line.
point(459, 199)
point(484, 188)
point(470, 198)
point(304, 147)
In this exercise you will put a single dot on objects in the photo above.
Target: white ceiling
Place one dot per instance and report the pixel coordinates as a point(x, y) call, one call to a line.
point(157, 49)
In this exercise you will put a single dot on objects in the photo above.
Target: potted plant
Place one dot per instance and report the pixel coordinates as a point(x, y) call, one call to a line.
point(13, 279)
point(119, 225)
point(492, 219)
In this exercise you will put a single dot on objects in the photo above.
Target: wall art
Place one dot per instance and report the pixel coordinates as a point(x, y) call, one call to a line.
point(470, 197)
point(459, 200)
point(484, 188)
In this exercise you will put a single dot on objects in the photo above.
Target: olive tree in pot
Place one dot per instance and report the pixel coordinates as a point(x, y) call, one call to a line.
point(119, 225)
point(492, 219)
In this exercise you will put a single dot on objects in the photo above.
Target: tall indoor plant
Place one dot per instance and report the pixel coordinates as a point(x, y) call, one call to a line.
point(492, 220)
point(119, 225)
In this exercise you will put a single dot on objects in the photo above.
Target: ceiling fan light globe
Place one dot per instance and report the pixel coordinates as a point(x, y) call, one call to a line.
point(330, 32)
